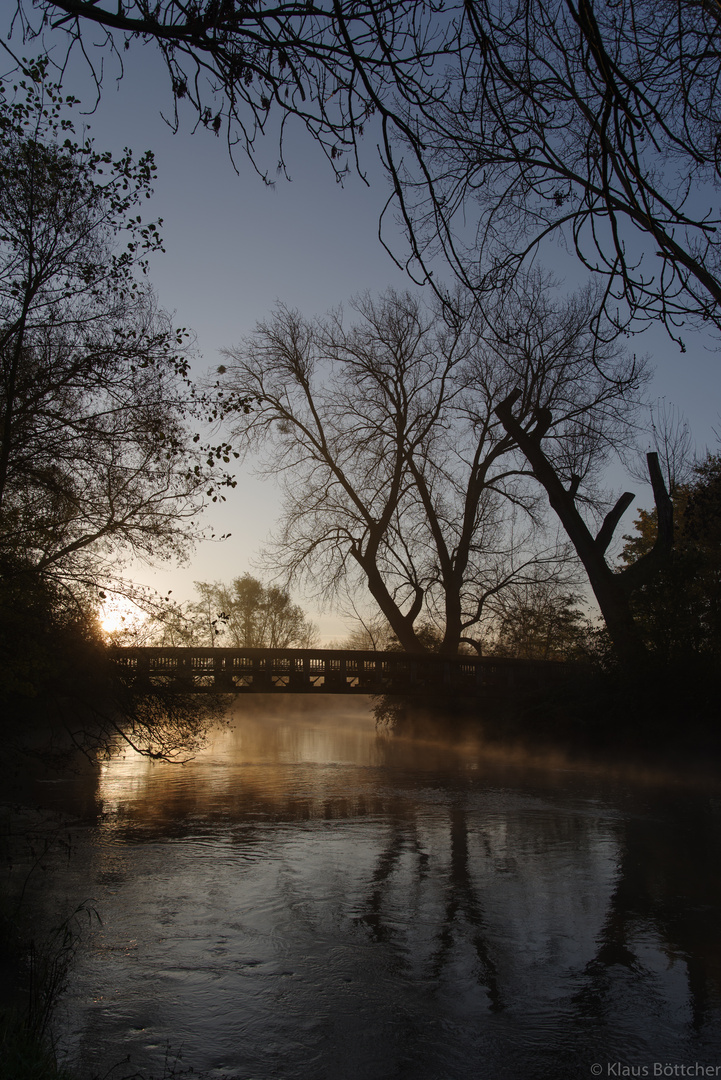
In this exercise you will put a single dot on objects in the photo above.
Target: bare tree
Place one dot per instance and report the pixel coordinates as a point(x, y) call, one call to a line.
point(668, 435)
point(340, 412)
point(395, 468)
point(246, 69)
point(594, 123)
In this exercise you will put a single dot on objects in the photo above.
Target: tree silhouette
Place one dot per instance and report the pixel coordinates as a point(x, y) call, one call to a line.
point(398, 475)
point(501, 126)
point(96, 458)
point(679, 610)
point(612, 589)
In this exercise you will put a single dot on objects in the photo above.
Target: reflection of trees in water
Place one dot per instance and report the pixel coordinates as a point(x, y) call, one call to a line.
point(500, 889)
point(664, 906)
point(463, 876)
point(668, 888)
point(461, 900)
point(403, 836)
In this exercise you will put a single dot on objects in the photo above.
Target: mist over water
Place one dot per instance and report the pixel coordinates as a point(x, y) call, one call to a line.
point(312, 898)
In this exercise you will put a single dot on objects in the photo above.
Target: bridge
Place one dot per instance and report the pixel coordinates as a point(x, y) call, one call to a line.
point(328, 671)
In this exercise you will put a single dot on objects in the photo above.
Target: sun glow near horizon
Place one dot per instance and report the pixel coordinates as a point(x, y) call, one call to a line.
point(120, 616)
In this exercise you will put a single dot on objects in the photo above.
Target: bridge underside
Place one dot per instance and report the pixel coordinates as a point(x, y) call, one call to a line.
point(325, 671)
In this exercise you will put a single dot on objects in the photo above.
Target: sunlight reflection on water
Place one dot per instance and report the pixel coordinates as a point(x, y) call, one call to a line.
point(309, 898)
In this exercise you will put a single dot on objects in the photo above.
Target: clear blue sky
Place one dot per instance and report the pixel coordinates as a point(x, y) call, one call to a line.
point(234, 247)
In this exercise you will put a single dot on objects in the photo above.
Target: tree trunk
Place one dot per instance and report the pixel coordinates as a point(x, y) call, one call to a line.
point(452, 635)
point(401, 625)
point(612, 590)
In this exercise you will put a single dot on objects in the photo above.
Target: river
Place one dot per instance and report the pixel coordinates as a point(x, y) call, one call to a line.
point(311, 899)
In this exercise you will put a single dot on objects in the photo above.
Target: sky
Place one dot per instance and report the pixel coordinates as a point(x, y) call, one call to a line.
point(235, 247)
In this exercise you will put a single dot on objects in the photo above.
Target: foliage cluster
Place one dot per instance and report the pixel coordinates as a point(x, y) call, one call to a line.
point(679, 611)
point(59, 696)
point(37, 966)
point(48, 640)
point(540, 621)
point(94, 392)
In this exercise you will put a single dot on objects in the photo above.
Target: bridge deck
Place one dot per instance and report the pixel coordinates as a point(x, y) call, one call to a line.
point(307, 671)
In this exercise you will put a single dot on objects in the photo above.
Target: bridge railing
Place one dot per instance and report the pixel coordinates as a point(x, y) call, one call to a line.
point(225, 670)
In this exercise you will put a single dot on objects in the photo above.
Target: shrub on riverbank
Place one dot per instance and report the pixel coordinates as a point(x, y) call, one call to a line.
point(33, 974)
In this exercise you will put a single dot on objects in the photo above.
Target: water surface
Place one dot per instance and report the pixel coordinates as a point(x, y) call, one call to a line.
point(312, 899)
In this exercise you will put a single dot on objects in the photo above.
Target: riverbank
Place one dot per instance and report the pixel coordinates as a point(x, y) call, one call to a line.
point(35, 958)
